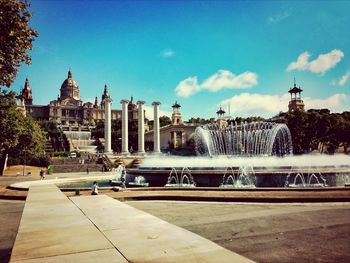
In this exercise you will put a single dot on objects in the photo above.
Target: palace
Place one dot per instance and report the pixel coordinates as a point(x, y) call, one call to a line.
point(68, 110)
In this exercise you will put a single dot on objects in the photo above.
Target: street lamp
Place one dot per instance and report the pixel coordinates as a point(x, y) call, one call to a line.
point(25, 159)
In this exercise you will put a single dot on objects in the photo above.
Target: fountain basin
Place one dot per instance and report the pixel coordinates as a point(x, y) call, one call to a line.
point(269, 171)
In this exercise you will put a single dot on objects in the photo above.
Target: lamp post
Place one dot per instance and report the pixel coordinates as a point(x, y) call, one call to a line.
point(25, 160)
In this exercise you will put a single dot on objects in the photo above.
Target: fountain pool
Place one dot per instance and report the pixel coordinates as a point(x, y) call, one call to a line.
point(269, 171)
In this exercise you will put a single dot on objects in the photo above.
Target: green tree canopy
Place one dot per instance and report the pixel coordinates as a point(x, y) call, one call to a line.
point(318, 130)
point(16, 38)
point(20, 137)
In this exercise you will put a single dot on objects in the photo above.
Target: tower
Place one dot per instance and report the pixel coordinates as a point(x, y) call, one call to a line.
point(26, 94)
point(132, 109)
point(105, 95)
point(176, 117)
point(96, 103)
point(295, 103)
point(220, 113)
point(221, 118)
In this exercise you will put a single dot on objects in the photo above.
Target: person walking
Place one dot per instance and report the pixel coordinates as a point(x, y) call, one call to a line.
point(41, 174)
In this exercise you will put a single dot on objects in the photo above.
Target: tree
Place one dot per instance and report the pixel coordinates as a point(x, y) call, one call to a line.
point(21, 137)
point(10, 123)
point(55, 135)
point(31, 140)
point(16, 38)
point(164, 121)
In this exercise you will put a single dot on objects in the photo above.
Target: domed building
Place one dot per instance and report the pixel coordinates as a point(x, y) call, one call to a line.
point(68, 110)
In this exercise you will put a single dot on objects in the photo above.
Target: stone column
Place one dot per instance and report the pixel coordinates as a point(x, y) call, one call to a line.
point(125, 127)
point(141, 127)
point(156, 130)
point(108, 126)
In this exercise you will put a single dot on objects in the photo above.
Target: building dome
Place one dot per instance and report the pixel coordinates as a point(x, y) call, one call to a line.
point(70, 88)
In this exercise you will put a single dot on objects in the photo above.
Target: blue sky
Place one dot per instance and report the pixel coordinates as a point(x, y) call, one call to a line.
point(201, 53)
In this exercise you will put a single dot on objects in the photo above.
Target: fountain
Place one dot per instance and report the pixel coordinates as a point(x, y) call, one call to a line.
point(302, 179)
point(245, 178)
point(185, 179)
point(247, 139)
point(266, 147)
point(81, 140)
point(139, 181)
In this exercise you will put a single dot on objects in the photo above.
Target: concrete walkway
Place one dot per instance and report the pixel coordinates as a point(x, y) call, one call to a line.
point(54, 228)
point(64, 178)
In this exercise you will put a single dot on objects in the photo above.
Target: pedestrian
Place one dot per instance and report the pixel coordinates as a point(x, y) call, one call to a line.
point(41, 174)
point(94, 189)
point(87, 170)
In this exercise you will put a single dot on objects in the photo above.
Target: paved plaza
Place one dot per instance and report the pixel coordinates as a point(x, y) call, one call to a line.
point(262, 232)
point(54, 228)
point(265, 232)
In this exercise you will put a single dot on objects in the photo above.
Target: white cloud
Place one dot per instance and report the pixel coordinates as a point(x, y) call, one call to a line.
point(321, 64)
point(149, 112)
point(335, 103)
point(245, 104)
point(279, 17)
point(223, 79)
point(344, 79)
point(167, 53)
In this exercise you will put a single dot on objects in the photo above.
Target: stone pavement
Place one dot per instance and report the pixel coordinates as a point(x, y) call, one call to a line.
point(53, 229)
point(265, 232)
point(10, 216)
point(101, 229)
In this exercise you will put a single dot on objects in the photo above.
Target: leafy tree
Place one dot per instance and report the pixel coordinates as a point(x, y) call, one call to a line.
point(20, 137)
point(16, 38)
point(10, 123)
point(164, 121)
point(198, 121)
point(31, 140)
point(55, 135)
point(318, 130)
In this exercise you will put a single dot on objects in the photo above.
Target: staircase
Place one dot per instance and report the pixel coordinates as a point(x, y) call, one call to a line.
point(48, 146)
point(76, 165)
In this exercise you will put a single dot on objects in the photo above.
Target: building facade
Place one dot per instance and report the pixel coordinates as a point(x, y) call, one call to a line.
point(68, 110)
point(175, 135)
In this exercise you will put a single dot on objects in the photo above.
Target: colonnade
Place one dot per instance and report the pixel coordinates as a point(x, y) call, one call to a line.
point(141, 127)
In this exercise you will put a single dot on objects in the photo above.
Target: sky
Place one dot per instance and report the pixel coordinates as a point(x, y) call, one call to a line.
point(240, 55)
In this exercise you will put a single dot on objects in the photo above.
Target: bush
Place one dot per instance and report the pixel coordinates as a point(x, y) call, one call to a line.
point(42, 161)
point(60, 154)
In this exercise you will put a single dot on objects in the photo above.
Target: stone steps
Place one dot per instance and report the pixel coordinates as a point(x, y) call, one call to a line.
point(77, 168)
